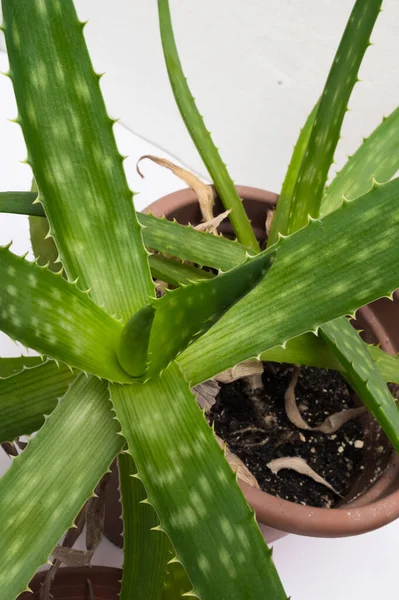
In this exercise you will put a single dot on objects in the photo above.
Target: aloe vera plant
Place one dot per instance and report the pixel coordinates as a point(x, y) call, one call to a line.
point(118, 363)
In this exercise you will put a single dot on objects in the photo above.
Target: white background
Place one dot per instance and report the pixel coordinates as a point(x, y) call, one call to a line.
point(256, 68)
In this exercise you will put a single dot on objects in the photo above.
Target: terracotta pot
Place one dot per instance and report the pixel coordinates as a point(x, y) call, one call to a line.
point(367, 506)
point(72, 584)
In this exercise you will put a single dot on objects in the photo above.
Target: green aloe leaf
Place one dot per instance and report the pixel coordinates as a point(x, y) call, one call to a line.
point(146, 552)
point(193, 490)
point(182, 315)
point(284, 204)
point(73, 154)
point(176, 273)
point(135, 338)
point(167, 237)
point(310, 350)
point(190, 244)
point(200, 135)
point(74, 159)
point(307, 174)
point(305, 198)
point(176, 583)
point(29, 395)
point(319, 154)
point(387, 364)
point(14, 365)
point(44, 312)
point(377, 158)
point(47, 485)
point(321, 272)
point(20, 203)
point(44, 249)
point(363, 375)
point(22, 408)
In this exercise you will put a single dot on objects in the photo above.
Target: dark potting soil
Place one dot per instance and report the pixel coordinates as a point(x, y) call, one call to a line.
point(260, 431)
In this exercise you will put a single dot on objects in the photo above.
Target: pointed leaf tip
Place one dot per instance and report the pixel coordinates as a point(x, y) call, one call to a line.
point(133, 347)
point(184, 315)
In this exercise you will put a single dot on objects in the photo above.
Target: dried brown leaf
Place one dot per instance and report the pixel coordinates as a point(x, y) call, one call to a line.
point(269, 219)
point(46, 586)
point(254, 382)
point(160, 288)
point(71, 557)
point(244, 369)
point(300, 466)
point(95, 514)
point(205, 193)
point(330, 425)
point(74, 532)
point(70, 538)
point(334, 422)
point(237, 466)
point(206, 394)
point(290, 403)
point(212, 225)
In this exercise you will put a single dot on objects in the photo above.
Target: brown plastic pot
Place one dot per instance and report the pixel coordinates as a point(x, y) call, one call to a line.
point(73, 584)
point(374, 499)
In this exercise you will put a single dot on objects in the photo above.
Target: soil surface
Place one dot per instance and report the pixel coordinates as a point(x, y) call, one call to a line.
point(256, 428)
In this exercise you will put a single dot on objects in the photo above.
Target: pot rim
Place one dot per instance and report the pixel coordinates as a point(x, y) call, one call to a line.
point(70, 579)
point(372, 509)
point(176, 200)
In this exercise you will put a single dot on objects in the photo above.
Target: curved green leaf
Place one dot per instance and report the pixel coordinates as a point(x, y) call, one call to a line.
point(363, 375)
point(311, 351)
point(167, 237)
point(176, 273)
point(43, 311)
point(321, 272)
point(26, 397)
point(47, 485)
point(73, 154)
point(146, 552)
point(200, 135)
point(190, 244)
point(134, 341)
point(176, 583)
point(283, 207)
point(14, 365)
point(307, 174)
point(377, 158)
point(387, 364)
point(184, 314)
point(319, 154)
point(20, 203)
point(22, 406)
point(307, 350)
point(193, 490)
point(43, 247)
